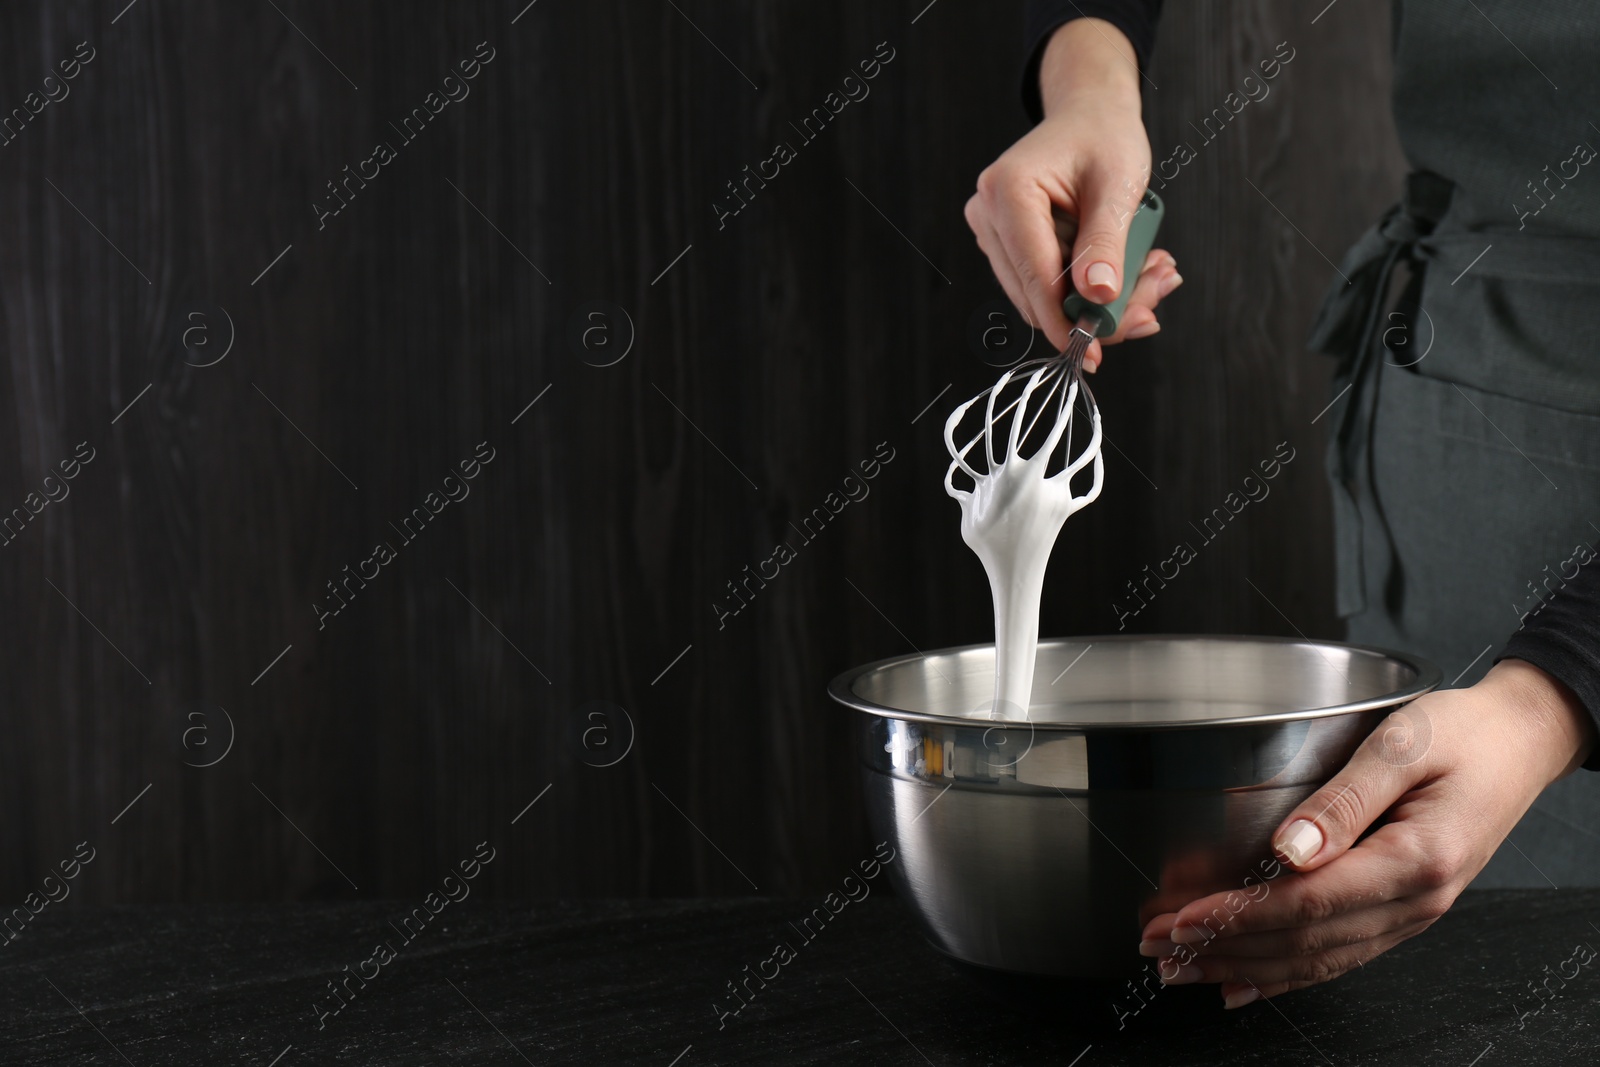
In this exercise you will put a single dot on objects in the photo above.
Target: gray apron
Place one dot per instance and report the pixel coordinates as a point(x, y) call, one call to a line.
point(1464, 447)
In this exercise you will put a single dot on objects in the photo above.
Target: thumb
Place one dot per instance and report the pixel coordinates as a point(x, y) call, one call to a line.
point(1387, 765)
point(1097, 251)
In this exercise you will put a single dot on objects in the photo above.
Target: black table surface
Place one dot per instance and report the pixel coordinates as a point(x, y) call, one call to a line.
point(643, 983)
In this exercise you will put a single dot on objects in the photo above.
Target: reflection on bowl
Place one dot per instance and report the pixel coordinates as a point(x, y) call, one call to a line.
point(1152, 773)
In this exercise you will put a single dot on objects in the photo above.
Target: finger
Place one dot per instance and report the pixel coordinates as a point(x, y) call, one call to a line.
point(1158, 264)
point(1321, 967)
point(1021, 218)
point(1238, 994)
point(1184, 876)
point(1092, 356)
point(1157, 280)
point(1382, 868)
point(1392, 760)
point(999, 261)
point(1160, 926)
point(1348, 929)
point(1104, 208)
point(1137, 322)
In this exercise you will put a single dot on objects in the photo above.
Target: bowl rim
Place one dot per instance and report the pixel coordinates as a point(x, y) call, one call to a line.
point(1427, 679)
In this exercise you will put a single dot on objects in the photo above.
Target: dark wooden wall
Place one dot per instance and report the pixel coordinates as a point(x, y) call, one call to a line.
point(421, 320)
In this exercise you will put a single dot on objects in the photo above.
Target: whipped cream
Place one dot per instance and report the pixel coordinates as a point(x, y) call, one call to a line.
point(1014, 512)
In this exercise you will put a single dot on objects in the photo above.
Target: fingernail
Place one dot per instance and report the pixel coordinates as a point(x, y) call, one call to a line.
point(1188, 935)
point(1157, 948)
point(1241, 998)
point(1148, 329)
point(1300, 842)
point(1091, 368)
point(1187, 974)
point(1171, 282)
point(1102, 274)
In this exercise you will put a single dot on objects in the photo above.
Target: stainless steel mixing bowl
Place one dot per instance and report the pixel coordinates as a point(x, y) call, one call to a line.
point(1153, 773)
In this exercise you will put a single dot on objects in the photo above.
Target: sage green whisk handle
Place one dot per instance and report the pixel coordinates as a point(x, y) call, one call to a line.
point(1142, 229)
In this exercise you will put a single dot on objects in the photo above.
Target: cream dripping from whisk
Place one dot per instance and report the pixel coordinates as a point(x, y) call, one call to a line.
point(1015, 508)
point(1014, 511)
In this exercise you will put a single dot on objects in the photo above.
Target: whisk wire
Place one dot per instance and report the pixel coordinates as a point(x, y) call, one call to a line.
point(1048, 384)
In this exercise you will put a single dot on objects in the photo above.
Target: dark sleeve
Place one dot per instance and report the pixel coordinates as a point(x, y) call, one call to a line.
point(1135, 18)
point(1562, 637)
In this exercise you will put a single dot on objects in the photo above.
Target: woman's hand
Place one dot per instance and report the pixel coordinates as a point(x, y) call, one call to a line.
point(1453, 771)
point(1069, 187)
